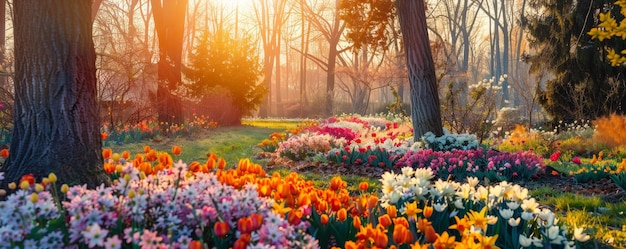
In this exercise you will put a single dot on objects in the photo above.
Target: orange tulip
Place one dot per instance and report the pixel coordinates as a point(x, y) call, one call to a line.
point(381, 240)
point(428, 211)
point(401, 221)
point(324, 219)
point(336, 183)
point(109, 168)
point(385, 220)
point(399, 236)
point(4, 153)
point(342, 214)
point(257, 221)
point(221, 229)
point(304, 200)
point(356, 222)
point(294, 217)
point(151, 156)
point(351, 245)
point(244, 225)
point(408, 236)
point(146, 149)
point(221, 164)
point(194, 166)
point(363, 186)
point(195, 244)
point(125, 155)
point(335, 204)
point(431, 235)
point(392, 211)
point(210, 163)
point(106, 153)
point(104, 136)
point(176, 150)
point(372, 201)
point(240, 244)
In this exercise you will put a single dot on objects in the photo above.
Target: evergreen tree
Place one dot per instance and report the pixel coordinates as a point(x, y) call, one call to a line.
point(220, 60)
point(584, 84)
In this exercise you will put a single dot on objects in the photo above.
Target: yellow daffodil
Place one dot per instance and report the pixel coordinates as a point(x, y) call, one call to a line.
point(411, 210)
point(479, 219)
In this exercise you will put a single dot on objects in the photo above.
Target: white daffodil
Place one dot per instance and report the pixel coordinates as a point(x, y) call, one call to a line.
point(464, 191)
point(524, 241)
point(513, 205)
point(472, 181)
point(424, 173)
point(552, 232)
point(537, 242)
point(580, 236)
point(547, 216)
point(506, 213)
point(440, 207)
point(521, 194)
point(394, 197)
point(496, 191)
point(514, 222)
point(527, 215)
point(458, 203)
point(408, 171)
point(446, 188)
point(481, 193)
point(530, 205)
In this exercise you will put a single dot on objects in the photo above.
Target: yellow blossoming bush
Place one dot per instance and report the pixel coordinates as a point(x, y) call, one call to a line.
point(608, 28)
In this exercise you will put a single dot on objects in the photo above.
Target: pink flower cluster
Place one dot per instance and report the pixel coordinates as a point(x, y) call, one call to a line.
point(461, 163)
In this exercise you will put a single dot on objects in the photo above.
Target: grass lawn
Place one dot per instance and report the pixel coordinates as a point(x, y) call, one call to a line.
point(230, 143)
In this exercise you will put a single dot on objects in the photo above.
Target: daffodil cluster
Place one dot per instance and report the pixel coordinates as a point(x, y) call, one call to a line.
point(503, 212)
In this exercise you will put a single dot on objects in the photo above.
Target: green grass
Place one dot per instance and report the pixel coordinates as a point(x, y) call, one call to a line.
point(230, 143)
point(281, 125)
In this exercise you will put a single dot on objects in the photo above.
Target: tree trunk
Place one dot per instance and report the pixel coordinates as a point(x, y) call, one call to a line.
point(56, 121)
point(425, 111)
point(169, 22)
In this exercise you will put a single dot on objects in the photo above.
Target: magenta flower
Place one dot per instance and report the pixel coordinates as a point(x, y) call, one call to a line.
point(576, 160)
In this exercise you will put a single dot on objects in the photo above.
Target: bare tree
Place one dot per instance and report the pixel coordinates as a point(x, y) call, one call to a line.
point(270, 17)
point(325, 19)
point(125, 73)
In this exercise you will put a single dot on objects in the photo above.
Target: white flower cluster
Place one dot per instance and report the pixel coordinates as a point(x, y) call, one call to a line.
point(449, 142)
point(346, 124)
point(506, 203)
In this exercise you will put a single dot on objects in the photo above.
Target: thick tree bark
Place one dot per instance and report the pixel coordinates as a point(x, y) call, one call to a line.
point(56, 121)
point(425, 111)
point(169, 21)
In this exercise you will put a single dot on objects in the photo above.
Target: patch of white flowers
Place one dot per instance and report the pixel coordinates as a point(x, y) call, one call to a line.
point(449, 141)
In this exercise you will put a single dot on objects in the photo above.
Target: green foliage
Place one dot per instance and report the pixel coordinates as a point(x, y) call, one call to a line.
point(585, 85)
point(466, 112)
point(221, 61)
point(397, 107)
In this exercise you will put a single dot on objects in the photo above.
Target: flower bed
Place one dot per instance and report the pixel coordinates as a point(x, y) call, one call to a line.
point(185, 206)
